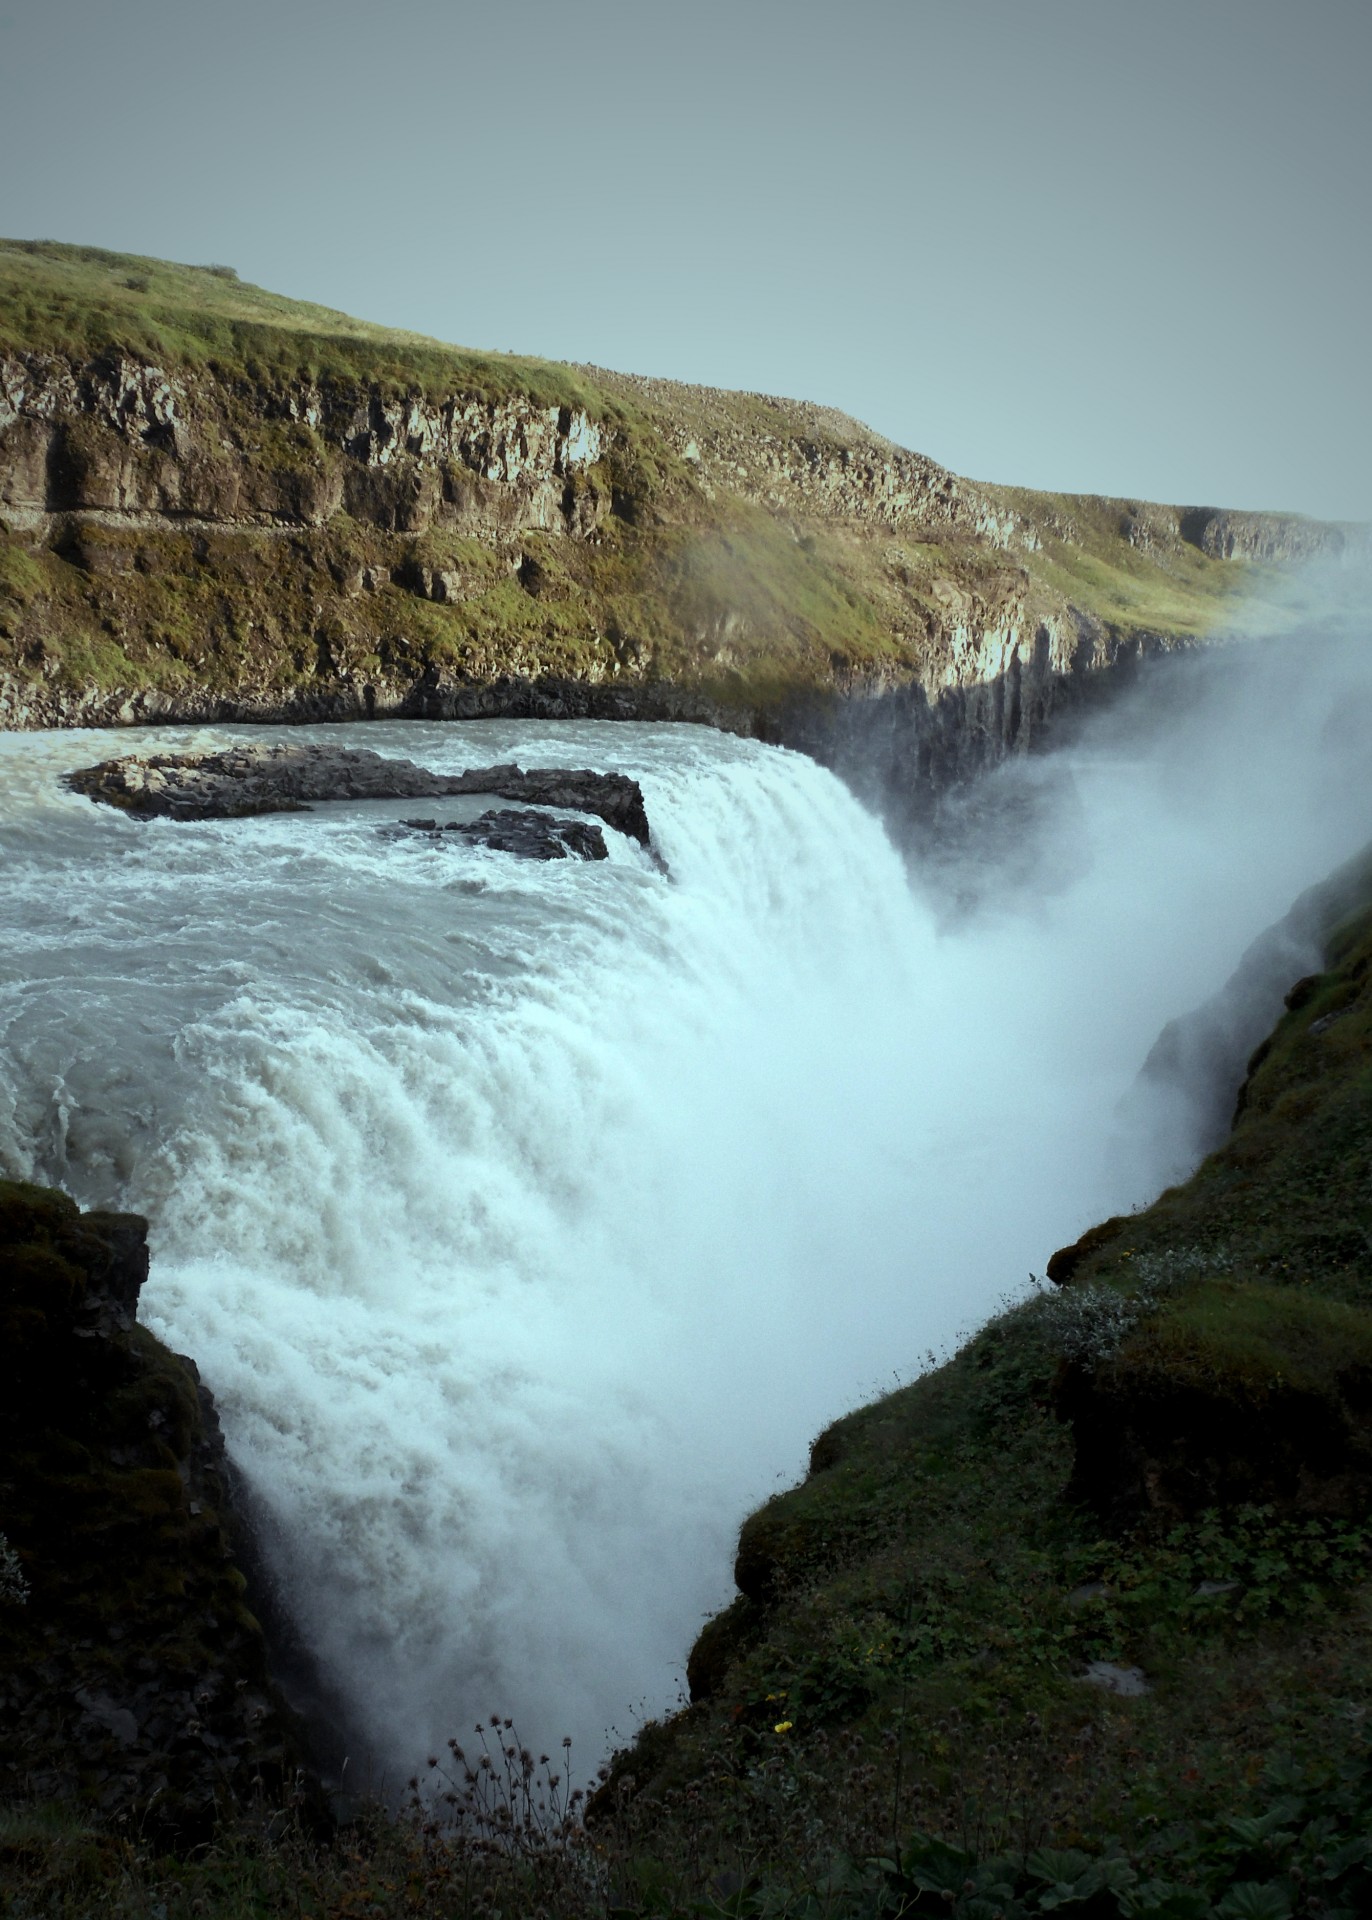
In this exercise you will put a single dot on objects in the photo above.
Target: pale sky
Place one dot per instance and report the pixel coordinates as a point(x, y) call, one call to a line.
point(1071, 244)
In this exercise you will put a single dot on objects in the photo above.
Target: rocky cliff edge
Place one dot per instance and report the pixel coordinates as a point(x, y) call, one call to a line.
point(218, 503)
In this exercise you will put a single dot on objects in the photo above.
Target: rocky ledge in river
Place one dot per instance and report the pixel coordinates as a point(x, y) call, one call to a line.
point(286, 778)
point(537, 836)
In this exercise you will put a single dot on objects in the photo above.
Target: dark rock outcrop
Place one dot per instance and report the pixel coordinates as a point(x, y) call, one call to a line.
point(535, 836)
point(281, 779)
point(427, 694)
point(133, 1672)
point(1063, 1265)
point(617, 799)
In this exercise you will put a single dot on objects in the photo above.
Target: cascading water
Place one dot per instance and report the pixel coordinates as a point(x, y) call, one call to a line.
point(528, 1220)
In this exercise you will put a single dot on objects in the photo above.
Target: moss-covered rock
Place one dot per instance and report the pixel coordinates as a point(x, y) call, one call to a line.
point(1237, 1392)
point(133, 1673)
point(1247, 1375)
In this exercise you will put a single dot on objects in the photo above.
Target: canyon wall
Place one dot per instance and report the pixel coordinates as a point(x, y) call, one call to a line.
point(203, 519)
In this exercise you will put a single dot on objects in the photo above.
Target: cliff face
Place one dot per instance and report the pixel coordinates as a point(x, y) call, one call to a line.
point(216, 503)
point(132, 1672)
point(118, 438)
point(902, 747)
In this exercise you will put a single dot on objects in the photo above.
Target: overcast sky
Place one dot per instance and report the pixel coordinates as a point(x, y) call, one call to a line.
point(1067, 243)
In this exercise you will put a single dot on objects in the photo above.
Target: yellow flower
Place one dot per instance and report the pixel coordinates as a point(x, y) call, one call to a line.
point(783, 1726)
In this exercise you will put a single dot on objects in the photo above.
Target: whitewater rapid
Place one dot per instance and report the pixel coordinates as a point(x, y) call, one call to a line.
point(528, 1220)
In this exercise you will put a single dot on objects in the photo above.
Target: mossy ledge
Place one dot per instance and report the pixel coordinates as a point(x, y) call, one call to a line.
point(133, 1672)
point(222, 504)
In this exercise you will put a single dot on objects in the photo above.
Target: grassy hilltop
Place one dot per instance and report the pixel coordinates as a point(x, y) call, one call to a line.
point(82, 301)
point(304, 512)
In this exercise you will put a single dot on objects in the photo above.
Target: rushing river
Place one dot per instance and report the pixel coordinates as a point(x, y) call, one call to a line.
point(527, 1220)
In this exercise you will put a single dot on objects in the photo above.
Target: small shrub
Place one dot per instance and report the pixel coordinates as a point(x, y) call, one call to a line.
point(1090, 1323)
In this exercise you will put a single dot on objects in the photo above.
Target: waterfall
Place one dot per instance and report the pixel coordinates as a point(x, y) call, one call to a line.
point(527, 1220)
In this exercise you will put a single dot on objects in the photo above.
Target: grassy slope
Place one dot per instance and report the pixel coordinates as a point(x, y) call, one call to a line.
point(81, 301)
point(690, 583)
point(1085, 562)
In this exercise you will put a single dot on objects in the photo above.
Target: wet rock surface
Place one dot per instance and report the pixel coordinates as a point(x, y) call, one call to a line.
point(133, 1672)
point(536, 836)
point(253, 779)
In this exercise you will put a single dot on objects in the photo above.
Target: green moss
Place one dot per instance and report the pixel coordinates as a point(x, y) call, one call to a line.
point(96, 660)
point(22, 576)
point(1258, 1341)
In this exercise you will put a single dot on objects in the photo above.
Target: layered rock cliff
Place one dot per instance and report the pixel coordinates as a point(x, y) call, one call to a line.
point(115, 437)
point(221, 504)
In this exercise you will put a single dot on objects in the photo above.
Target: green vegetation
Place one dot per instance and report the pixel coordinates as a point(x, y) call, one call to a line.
point(1163, 586)
point(524, 1851)
point(733, 547)
point(84, 301)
